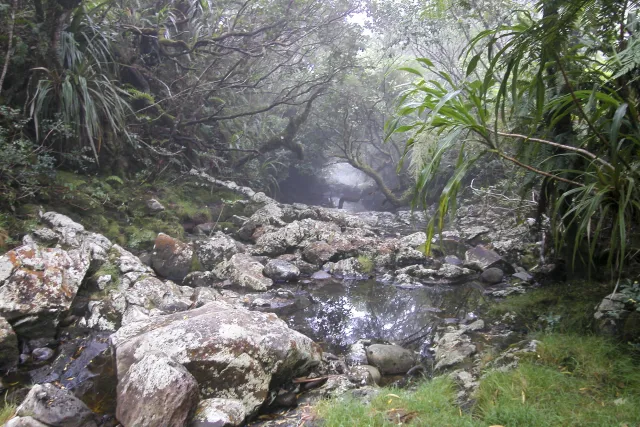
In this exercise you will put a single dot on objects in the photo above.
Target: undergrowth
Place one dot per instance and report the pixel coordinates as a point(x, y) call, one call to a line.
point(563, 307)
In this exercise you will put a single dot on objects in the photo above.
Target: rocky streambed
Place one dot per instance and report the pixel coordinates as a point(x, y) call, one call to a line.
point(301, 303)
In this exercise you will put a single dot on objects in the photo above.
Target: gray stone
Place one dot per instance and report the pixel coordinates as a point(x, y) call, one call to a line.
point(357, 354)
point(234, 353)
point(409, 256)
point(318, 253)
point(156, 391)
point(70, 231)
point(294, 235)
point(453, 348)
point(453, 260)
point(524, 276)
point(390, 359)
point(154, 206)
point(24, 422)
point(212, 251)
point(55, 407)
point(171, 258)
point(202, 279)
point(270, 214)
point(492, 275)
point(364, 375)
point(484, 258)
point(320, 275)
point(345, 269)
point(244, 271)
point(9, 354)
point(204, 229)
point(278, 269)
point(219, 413)
point(414, 240)
point(42, 354)
point(203, 296)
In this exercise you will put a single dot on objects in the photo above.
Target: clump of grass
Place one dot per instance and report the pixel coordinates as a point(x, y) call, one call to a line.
point(433, 403)
point(366, 263)
point(7, 411)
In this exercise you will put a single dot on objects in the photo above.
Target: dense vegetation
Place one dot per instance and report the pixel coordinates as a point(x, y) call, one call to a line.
point(256, 91)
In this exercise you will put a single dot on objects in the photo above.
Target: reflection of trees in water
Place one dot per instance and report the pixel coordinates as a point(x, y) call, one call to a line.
point(345, 313)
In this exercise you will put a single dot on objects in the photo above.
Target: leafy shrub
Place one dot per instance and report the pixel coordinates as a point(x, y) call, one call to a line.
point(23, 164)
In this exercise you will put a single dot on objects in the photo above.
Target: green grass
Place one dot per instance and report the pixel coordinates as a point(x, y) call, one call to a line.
point(573, 380)
point(7, 411)
point(433, 403)
point(366, 263)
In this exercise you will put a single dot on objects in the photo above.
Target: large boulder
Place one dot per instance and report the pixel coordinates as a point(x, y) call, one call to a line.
point(391, 359)
point(171, 258)
point(217, 248)
point(232, 352)
point(270, 214)
point(9, 353)
point(38, 285)
point(156, 391)
point(133, 293)
point(24, 422)
point(278, 269)
point(318, 252)
point(244, 271)
point(409, 256)
point(55, 407)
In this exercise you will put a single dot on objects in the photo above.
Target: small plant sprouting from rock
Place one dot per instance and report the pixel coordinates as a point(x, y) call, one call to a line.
point(366, 263)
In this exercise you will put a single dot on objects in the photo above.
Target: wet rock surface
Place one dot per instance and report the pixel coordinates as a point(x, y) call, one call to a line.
point(55, 407)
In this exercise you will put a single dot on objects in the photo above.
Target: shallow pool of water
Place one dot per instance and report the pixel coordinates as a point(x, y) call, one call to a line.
point(336, 314)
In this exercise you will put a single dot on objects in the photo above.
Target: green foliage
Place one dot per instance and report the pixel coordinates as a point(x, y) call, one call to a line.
point(550, 106)
point(83, 94)
point(7, 411)
point(24, 166)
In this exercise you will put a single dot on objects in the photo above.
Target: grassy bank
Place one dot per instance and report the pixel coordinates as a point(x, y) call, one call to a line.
point(576, 378)
point(572, 380)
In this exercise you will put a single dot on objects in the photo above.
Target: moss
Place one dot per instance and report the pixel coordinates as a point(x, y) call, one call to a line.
point(140, 238)
point(196, 265)
point(366, 263)
point(108, 269)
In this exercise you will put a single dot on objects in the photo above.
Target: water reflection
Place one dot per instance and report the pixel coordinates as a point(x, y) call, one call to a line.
point(343, 313)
